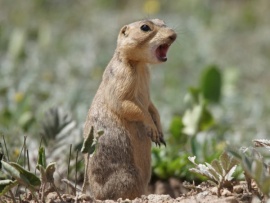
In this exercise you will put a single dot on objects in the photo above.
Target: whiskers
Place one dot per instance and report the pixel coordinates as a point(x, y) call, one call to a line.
point(182, 34)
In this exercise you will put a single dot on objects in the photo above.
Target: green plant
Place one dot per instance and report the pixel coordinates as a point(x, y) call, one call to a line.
point(197, 121)
point(211, 83)
point(89, 146)
point(58, 130)
point(21, 176)
point(46, 173)
point(90, 143)
point(56, 126)
point(254, 163)
point(219, 171)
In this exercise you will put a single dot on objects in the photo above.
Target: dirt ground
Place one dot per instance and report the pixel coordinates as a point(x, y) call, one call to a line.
point(171, 191)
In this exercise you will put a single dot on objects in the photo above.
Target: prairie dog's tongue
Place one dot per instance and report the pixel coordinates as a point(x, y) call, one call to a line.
point(161, 52)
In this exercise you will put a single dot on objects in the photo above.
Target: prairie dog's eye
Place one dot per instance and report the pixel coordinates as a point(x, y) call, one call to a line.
point(145, 28)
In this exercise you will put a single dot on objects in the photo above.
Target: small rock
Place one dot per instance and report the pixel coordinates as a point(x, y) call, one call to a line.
point(109, 201)
point(225, 200)
point(202, 195)
point(225, 192)
point(124, 201)
point(162, 187)
point(138, 200)
point(68, 197)
point(52, 196)
point(214, 190)
point(85, 197)
point(238, 189)
point(256, 200)
point(158, 198)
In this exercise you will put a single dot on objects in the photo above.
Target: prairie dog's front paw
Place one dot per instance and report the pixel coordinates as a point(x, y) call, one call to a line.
point(155, 135)
point(161, 139)
point(160, 134)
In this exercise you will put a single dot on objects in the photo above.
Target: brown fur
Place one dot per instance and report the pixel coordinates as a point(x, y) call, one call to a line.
point(121, 165)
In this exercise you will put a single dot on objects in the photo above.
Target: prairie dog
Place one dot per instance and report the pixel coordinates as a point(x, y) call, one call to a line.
point(122, 108)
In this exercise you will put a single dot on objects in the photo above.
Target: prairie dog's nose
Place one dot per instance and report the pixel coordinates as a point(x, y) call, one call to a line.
point(173, 36)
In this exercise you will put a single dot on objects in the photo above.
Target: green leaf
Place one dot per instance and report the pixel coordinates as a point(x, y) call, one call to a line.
point(176, 130)
point(229, 174)
point(176, 126)
point(26, 120)
point(88, 141)
point(265, 186)
point(224, 160)
point(192, 160)
point(42, 173)
point(191, 120)
point(16, 44)
point(174, 166)
point(195, 170)
point(262, 143)
point(93, 146)
point(257, 170)
point(1, 154)
point(50, 171)
point(41, 157)
point(207, 120)
point(6, 185)
point(217, 166)
point(23, 176)
point(197, 119)
point(55, 124)
point(195, 146)
point(192, 97)
point(235, 153)
point(210, 83)
point(160, 171)
point(100, 132)
point(215, 171)
point(216, 176)
point(247, 163)
point(233, 162)
point(33, 179)
point(227, 161)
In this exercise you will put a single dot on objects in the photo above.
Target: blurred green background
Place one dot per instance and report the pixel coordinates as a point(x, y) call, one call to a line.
point(53, 53)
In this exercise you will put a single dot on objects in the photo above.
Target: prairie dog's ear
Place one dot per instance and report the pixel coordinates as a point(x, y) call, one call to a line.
point(124, 31)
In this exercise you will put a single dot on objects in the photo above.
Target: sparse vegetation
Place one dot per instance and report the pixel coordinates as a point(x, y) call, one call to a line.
point(52, 55)
point(219, 171)
point(197, 121)
point(255, 165)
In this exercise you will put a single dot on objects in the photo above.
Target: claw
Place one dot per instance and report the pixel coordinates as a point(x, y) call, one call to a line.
point(162, 141)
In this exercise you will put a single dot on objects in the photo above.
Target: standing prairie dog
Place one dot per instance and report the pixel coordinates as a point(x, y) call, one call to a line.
point(121, 164)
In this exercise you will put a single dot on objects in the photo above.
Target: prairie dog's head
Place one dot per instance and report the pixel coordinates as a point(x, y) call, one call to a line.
point(145, 41)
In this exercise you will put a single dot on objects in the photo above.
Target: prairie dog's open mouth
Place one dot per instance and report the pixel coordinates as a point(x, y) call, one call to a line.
point(161, 52)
